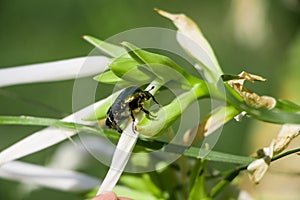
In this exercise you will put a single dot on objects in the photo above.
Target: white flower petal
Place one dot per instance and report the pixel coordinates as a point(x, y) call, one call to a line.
point(47, 137)
point(218, 118)
point(258, 168)
point(53, 71)
point(244, 195)
point(240, 116)
point(122, 153)
point(47, 177)
point(204, 62)
point(289, 130)
point(35, 142)
point(120, 158)
point(193, 41)
point(73, 157)
point(250, 22)
point(214, 121)
point(286, 134)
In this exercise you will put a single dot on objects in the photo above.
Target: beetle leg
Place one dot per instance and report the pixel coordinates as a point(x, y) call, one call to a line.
point(112, 124)
point(147, 112)
point(155, 101)
point(117, 127)
point(133, 120)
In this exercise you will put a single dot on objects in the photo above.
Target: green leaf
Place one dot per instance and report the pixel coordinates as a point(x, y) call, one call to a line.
point(223, 183)
point(196, 152)
point(38, 121)
point(142, 183)
point(193, 152)
point(157, 63)
point(130, 70)
point(280, 114)
point(228, 77)
point(287, 105)
point(109, 49)
point(100, 111)
point(198, 191)
point(91, 194)
point(217, 156)
point(195, 173)
point(107, 77)
point(169, 113)
point(134, 194)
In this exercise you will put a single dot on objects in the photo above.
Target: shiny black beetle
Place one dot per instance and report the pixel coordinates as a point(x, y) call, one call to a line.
point(130, 99)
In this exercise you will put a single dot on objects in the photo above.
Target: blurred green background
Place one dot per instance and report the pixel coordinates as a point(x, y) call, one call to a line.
point(35, 31)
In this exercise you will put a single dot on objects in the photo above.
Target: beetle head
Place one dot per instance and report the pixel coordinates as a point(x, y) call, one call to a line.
point(147, 95)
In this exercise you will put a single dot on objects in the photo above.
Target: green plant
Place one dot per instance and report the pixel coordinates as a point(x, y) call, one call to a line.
point(189, 177)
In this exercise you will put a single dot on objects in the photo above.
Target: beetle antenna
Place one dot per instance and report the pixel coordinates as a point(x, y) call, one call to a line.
point(153, 96)
point(151, 88)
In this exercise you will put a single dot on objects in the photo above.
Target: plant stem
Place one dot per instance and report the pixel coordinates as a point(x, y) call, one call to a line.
point(285, 154)
point(234, 173)
point(223, 183)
